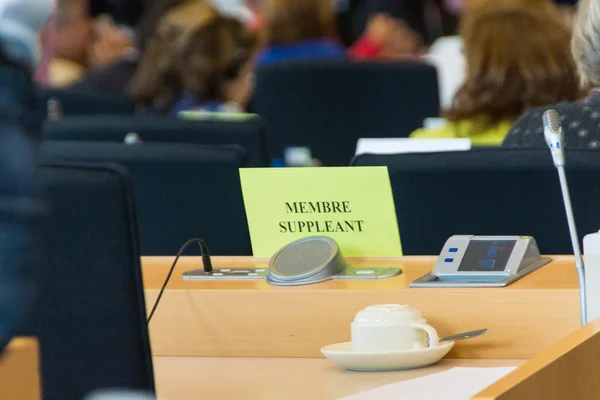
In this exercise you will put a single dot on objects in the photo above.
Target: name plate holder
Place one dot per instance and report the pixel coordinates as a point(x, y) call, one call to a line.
point(483, 261)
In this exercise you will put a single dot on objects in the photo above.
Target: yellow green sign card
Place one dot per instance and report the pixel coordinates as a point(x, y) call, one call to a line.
point(352, 205)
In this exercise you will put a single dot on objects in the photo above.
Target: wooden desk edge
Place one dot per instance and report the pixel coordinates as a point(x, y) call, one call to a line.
point(433, 258)
point(24, 342)
point(20, 370)
point(567, 369)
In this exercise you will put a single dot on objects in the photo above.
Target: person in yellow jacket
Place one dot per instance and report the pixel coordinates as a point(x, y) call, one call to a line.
point(517, 58)
point(480, 133)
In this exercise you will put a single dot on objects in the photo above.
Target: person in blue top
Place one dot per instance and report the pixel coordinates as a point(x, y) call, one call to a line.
point(307, 30)
point(299, 30)
point(198, 60)
point(303, 50)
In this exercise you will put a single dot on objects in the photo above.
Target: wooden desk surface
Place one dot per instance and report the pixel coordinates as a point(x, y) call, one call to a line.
point(566, 370)
point(190, 378)
point(254, 319)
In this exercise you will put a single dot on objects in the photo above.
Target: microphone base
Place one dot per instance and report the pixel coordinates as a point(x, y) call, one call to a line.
point(226, 274)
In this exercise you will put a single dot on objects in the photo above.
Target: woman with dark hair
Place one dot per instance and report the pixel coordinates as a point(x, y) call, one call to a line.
point(198, 60)
point(516, 59)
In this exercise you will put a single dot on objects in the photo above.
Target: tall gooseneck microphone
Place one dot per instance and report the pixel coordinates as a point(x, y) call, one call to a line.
point(554, 135)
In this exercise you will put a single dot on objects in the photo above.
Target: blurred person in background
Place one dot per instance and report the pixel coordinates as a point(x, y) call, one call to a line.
point(217, 68)
point(120, 62)
point(580, 119)
point(255, 21)
point(71, 38)
point(123, 12)
point(516, 59)
point(306, 29)
point(247, 11)
point(386, 38)
point(46, 40)
point(446, 53)
point(427, 18)
point(110, 43)
point(198, 60)
point(121, 59)
point(78, 40)
point(20, 23)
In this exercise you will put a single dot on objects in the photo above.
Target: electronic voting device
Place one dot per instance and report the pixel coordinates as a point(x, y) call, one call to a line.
point(483, 261)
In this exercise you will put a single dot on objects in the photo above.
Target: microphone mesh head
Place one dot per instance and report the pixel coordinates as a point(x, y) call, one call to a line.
point(552, 120)
point(307, 260)
point(303, 257)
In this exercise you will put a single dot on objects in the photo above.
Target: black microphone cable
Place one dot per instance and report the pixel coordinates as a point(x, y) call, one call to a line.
point(206, 263)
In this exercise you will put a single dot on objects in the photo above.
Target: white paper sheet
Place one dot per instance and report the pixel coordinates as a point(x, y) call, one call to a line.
point(407, 145)
point(454, 384)
point(432, 123)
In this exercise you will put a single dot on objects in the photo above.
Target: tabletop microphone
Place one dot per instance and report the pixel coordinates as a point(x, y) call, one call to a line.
point(554, 135)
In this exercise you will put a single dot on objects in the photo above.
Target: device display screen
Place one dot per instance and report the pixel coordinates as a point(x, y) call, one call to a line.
point(486, 255)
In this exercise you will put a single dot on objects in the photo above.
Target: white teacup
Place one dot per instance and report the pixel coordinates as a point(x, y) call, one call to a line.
point(391, 327)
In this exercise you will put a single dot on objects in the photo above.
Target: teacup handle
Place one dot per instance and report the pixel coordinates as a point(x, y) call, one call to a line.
point(431, 332)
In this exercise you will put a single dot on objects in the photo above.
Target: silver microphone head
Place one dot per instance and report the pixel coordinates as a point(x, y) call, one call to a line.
point(554, 135)
point(553, 130)
point(552, 120)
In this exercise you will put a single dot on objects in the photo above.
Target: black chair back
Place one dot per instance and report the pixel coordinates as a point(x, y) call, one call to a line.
point(490, 192)
point(249, 134)
point(79, 102)
point(328, 105)
point(90, 315)
point(182, 191)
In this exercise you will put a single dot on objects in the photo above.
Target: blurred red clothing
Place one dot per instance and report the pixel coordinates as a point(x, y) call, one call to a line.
point(365, 48)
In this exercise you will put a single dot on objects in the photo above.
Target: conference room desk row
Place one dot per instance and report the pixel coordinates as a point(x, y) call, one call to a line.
point(247, 339)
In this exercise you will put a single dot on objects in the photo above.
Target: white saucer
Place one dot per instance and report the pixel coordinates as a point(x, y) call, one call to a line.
point(342, 355)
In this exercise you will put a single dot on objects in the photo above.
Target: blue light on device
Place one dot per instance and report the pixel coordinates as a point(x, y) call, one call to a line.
point(453, 250)
point(492, 251)
point(449, 260)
